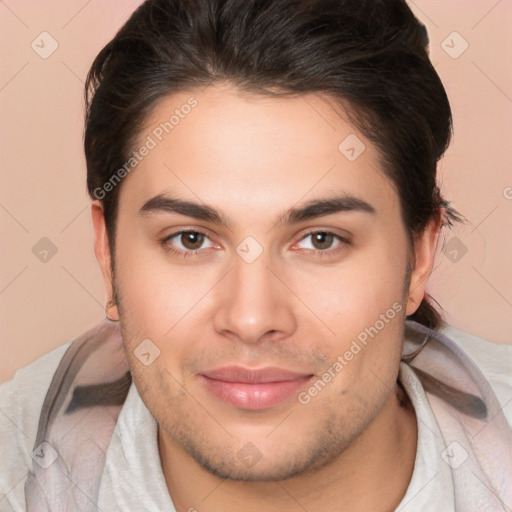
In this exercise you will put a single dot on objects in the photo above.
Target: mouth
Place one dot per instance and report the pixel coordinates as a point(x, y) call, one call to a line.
point(253, 389)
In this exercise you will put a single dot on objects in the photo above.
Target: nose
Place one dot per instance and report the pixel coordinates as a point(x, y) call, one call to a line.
point(254, 304)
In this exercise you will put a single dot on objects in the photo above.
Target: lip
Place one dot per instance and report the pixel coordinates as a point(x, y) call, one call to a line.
point(253, 389)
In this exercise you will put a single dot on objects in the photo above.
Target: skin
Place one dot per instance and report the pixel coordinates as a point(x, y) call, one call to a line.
point(352, 447)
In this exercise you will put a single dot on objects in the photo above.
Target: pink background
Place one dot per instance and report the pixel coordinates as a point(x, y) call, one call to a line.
point(43, 194)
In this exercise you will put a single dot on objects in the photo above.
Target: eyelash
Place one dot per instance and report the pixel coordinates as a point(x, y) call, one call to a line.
point(343, 243)
point(317, 252)
point(179, 252)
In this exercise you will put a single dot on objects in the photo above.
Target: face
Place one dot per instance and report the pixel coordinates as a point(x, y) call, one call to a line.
point(276, 320)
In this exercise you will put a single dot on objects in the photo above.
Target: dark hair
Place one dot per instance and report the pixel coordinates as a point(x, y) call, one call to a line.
point(369, 55)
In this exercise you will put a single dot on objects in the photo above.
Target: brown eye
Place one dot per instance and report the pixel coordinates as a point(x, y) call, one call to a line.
point(192, 240)
point(322, 240)
point(324, 243)
point(187, 243)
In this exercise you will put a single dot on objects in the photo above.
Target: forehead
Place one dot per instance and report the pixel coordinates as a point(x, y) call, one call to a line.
point(239, 150)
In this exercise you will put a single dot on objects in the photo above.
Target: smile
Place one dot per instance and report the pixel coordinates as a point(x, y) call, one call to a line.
point(253, 389)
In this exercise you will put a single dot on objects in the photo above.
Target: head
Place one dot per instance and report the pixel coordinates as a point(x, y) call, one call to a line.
point(255, 110)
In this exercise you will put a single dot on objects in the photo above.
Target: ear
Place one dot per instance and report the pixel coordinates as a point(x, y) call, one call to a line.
point(102, 251)
point(425, 245)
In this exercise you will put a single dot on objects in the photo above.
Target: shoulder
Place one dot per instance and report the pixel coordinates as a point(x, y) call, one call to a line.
point(21, 400)
point(493, 359)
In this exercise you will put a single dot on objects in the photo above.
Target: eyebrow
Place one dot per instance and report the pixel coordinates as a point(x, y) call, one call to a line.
point(308, 211)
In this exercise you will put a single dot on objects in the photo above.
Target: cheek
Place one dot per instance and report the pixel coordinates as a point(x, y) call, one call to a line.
point(155, 292)
point(361, 302)
point(354, 293)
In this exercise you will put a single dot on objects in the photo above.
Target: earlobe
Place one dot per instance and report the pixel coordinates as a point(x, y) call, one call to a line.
point(425, 245)
point(102, 251)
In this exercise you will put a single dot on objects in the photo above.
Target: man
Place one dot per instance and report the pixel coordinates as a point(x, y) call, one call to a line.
point(266, 217)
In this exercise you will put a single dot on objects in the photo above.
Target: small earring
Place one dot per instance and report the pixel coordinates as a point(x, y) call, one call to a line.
point(110, 304)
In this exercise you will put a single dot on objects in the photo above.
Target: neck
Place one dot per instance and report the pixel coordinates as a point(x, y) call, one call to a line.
point(372, 474)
